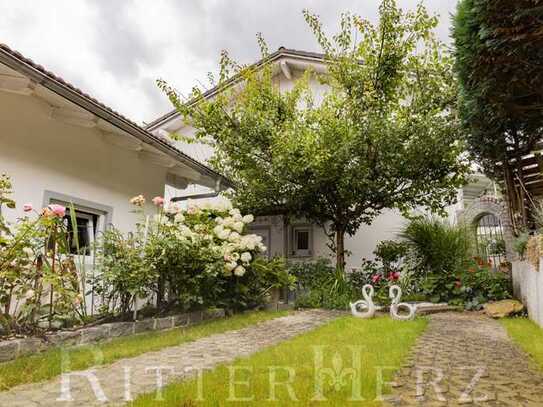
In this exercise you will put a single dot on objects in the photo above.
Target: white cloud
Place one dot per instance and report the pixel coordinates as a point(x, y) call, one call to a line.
point(114, 50)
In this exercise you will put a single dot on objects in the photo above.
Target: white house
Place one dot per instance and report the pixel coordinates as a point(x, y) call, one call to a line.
point(59, 145)
point(301, 239)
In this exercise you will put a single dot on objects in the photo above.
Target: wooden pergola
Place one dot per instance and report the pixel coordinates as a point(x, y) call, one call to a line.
point(523, 184)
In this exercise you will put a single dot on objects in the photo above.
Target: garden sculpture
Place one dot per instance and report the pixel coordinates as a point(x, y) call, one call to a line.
point(364, 308)
point(395, 294)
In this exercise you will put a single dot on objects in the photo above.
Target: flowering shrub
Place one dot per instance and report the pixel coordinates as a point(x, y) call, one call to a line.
point(470, 287)
point(39, 283)
point(187, 258)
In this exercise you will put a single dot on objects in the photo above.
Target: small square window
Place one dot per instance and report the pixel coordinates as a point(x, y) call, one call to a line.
point(301, 241)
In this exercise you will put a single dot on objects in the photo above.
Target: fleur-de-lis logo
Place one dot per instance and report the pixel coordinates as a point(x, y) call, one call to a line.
point(338, 375)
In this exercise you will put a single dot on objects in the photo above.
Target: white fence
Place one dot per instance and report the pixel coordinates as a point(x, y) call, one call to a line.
point(528, 287)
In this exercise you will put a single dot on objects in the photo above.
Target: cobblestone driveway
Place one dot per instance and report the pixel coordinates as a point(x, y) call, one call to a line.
point(127, 378)
point(472, 361)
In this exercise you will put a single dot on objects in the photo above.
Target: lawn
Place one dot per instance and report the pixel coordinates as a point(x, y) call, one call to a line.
point(528, 335)
point(333, 350)
point(46, 365)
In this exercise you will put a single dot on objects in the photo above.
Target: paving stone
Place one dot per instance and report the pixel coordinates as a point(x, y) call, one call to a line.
point(479, 363)
point(65, 338)
point(195, 317)
point(30, 345)
point(181, 320)
point(144, 325)
point(94, 334)
point(177, 362)
point(121, 329)
point(164, 323)
point(8, 349)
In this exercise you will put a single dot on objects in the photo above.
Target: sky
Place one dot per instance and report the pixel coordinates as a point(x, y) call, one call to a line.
point(116, 49)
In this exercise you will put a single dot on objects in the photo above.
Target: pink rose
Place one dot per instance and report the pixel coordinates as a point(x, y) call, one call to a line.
point(58, 210)
point(158, 201)
point(27, 207)
point(376, 278)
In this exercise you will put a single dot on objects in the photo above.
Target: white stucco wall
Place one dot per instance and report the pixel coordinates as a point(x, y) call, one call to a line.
point(528, 287)
point(40, 154)
point(362, 244)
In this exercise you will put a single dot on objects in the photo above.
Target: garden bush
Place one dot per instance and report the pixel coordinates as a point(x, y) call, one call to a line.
point(39, 280)
point(321, 285)
point(448, 269)
point(189, 258)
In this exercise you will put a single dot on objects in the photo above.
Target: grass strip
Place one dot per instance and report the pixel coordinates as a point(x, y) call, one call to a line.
point(43, 366)
point(378, 346)
point(528, 335)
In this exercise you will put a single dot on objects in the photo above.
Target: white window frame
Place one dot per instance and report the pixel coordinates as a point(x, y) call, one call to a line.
point(104, 213)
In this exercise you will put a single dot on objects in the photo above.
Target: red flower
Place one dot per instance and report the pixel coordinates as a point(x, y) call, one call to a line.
point(376, 278)
point(458, 284)
point(394, 276)
point(472, 270)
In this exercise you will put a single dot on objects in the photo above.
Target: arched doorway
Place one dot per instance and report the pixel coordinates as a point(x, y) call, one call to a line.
point(489, 219)
point(489, 239)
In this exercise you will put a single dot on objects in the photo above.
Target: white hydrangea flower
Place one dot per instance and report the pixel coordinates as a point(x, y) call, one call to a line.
point(185, 231)
point(179, 218)
point(239, 271)
point(246, 257)
point(234, 237)
point(238, 227)
point(234, 212)
point(235, 256)
point(231, 265)
point(248, 218)
point(223, 235)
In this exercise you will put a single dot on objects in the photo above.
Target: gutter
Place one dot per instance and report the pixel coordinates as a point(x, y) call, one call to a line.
point(71, 94)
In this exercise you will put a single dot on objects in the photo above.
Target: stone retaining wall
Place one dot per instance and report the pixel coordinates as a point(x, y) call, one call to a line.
point(14, 348)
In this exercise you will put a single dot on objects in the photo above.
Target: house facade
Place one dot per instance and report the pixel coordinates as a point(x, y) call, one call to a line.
point(300, 239)
point(59, 145)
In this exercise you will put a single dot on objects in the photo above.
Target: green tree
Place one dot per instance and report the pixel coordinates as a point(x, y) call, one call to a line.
point(384, 134)
point(499, 64)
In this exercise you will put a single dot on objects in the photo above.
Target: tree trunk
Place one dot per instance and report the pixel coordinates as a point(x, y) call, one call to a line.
point(340, 248)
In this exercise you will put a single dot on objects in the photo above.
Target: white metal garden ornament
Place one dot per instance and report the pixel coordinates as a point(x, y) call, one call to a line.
point(395, 294)
point(364, 308)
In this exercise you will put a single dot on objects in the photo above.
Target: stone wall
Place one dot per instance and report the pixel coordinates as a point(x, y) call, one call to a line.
point(14, 348)
point(497, 207)
point(528, 288)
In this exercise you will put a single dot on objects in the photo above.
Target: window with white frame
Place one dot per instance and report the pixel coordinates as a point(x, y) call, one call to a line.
point(88, 221)
point(85, 226)
point(302, 241)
